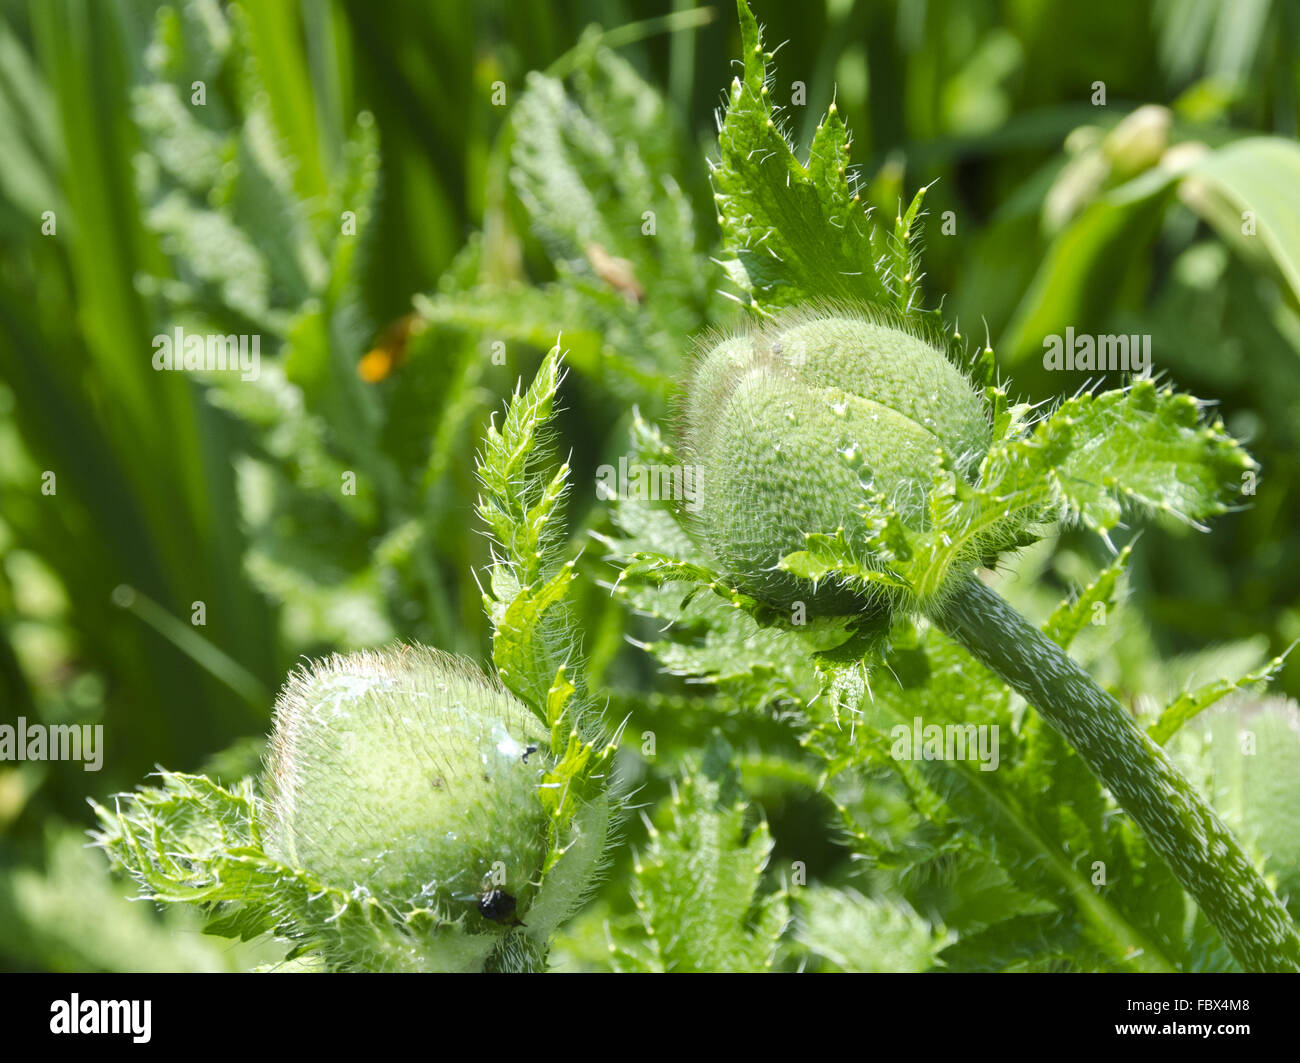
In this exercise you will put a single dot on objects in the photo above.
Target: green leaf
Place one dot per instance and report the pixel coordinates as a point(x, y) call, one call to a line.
point(850, 932)
point(1139, 448)
point(1077, 279)
point(1071, 617)
point(531, 639)
point(1040, 816)
point(592, 160)
point(700, 847)
point(798, 231)
point(1143, 447)
point(1258, 175)
point(1079, 275)
point(516, 503)
point(1191, 702)
point(192, 841)
point(536, 646)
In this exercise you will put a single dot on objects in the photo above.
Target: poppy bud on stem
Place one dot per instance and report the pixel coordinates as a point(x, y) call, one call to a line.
point(410, 775)
point(794, 425)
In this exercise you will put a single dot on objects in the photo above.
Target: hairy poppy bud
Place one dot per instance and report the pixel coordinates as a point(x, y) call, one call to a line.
point(409, 774)
point(791, 426)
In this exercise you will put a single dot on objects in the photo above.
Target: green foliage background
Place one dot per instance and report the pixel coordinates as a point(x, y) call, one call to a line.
point(514, 224)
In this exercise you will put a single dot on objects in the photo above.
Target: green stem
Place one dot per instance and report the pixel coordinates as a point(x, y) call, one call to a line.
point(1176, 820)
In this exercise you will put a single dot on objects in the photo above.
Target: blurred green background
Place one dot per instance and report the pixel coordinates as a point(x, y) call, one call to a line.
point(513, 203)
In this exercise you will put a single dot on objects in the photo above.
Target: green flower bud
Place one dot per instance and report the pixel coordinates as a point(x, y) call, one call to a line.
point(1139, 140)
point(409, 775)
point(790, 425)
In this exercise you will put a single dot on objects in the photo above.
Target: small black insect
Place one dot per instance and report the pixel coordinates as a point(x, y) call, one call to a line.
point(527, 753)
point(499, 906)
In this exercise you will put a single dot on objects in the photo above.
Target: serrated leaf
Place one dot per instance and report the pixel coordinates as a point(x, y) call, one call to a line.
point(1039, 815)
point(798, 231)
point(1094, 458)
point(854, 933)
point(532, 640)
point(192, 841)
point(1188, 704)
point(700, 848)
point(516, 503)
point(535, 641)
point(591, 159)
point(1071, 617)
point(1142, 447)
point(528, 646)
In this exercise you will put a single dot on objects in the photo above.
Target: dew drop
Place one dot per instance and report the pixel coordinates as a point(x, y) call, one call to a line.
point(505, 745)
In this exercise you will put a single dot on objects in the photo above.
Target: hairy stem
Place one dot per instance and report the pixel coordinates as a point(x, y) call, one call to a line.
point(1176, 820)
